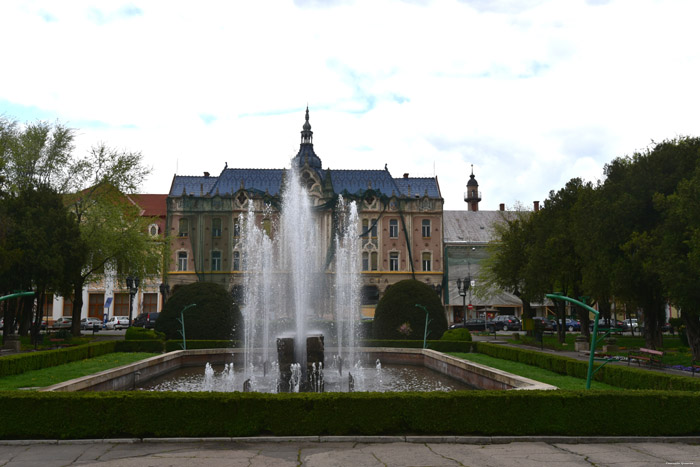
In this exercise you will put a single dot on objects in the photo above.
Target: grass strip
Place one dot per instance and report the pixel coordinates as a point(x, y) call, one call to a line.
point(532, 372)
point(68, 371)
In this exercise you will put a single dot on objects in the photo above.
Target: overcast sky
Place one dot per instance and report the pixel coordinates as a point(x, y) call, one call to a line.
point(532, 93)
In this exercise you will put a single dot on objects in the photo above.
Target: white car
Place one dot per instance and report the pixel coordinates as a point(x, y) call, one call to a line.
point(118, 322)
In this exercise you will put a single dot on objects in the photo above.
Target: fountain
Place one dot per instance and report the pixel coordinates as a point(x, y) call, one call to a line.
point(287, 286)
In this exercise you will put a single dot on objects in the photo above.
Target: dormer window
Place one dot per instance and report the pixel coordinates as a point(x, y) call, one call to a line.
point(307, 180)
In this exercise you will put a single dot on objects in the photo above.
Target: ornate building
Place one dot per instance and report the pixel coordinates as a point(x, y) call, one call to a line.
point(401, 220)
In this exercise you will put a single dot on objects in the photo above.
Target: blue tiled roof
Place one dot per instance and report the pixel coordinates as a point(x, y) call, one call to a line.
point(358, 181)
point(418, 186)
point(261, 180)
point(354, 182)
point(192, 185)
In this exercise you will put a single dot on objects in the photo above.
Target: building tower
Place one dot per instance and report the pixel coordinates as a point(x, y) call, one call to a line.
point(473, 195)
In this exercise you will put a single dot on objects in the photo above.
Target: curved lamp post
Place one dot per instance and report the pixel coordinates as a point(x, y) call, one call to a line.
point(132, 283)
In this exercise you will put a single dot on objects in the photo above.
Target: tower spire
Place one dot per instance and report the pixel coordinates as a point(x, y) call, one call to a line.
point(306, 154)
point(473, 196)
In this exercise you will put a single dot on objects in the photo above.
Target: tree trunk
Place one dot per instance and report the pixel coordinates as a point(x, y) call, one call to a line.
point(77, 306)
point(654, 315)
point(692, 331)
point(38, 318)
point(560, 306)
point(25, 316)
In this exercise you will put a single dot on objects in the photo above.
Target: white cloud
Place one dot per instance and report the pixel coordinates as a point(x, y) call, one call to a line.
point(532, 93)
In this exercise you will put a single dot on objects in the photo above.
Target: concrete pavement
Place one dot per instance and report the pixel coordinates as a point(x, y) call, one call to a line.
point(355, 452)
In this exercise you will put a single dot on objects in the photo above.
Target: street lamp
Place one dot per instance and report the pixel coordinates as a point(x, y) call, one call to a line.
point(462, 287)
point(132, 283)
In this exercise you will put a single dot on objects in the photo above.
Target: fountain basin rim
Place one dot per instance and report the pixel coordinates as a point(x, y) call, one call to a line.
point(125, 377)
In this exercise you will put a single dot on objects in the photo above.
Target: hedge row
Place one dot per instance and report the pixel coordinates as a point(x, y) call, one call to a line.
point(615, 375)
point(151, 414)
point(19, 363)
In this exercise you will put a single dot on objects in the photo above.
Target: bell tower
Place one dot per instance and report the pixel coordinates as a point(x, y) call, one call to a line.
point(472, 196)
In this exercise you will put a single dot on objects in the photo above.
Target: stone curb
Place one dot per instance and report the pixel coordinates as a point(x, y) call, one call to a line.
point(374, 440)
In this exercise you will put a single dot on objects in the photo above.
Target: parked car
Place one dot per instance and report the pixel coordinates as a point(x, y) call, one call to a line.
point(505, 323)
point(546, 324)
point(90, 324)
point(146, 320)
point(474, 324)
point(632, 324)
point(602, 324)
point(117, 322)
point(64, 322)
point(571, 325)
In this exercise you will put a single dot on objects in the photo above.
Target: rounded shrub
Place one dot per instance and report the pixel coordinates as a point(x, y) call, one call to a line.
point(398, 317)
point(213, 316)
point(459, 334)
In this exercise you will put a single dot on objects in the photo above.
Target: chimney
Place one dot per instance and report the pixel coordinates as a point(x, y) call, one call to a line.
point(405, 175)
point(536, 205)
point(206, 174)
point(502, 206)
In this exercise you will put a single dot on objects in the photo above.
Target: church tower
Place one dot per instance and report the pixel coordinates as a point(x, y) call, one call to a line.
point(472, 196)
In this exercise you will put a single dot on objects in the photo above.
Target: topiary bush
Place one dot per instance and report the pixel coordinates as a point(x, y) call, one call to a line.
point(214, 316)
point(398, 317)
point(459, 334)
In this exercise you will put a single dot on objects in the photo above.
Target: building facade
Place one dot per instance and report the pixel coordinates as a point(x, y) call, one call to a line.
point(401, 220)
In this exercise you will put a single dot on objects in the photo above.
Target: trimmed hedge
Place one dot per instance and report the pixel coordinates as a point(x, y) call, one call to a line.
point(173, 345)
point(150, 346)
point(32, 415)
point(615, 375)
point(19, 363)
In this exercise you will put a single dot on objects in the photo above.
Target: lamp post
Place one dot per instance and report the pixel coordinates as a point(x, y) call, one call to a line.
point(132, 283)
point(462, 287)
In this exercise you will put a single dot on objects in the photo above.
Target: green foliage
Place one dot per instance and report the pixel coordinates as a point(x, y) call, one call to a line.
point(398, 317)
point(143, 414)
point(150, 346)
point(214, 316)
point(140, 334)
point(459, 334)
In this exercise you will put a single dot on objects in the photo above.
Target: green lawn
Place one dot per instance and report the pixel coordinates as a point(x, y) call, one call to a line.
point(57, 374)
point(533, 372)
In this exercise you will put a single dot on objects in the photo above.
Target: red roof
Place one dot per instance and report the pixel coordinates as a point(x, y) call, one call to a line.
point(152, 205)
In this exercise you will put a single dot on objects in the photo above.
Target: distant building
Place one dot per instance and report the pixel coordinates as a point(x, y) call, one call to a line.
point(401, 220)
point(467, 234)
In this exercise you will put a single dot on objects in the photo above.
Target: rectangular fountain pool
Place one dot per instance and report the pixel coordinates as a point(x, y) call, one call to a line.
point(382, 378)
point(132, 376)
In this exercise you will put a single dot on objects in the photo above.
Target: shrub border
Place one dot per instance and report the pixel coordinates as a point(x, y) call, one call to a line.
point(145, 414)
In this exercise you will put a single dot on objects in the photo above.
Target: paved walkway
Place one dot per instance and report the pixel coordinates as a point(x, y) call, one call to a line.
point(359, 452)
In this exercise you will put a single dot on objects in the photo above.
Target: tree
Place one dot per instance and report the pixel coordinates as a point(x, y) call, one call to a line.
point(398, 317)
point(215, 315)
point(508, 265)
point(677, 258)
point(112, 234)
point(632, 185)
point(553, 255)
point(45, 239)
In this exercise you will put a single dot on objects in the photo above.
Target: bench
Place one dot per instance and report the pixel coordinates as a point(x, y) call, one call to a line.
point(650, 356)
